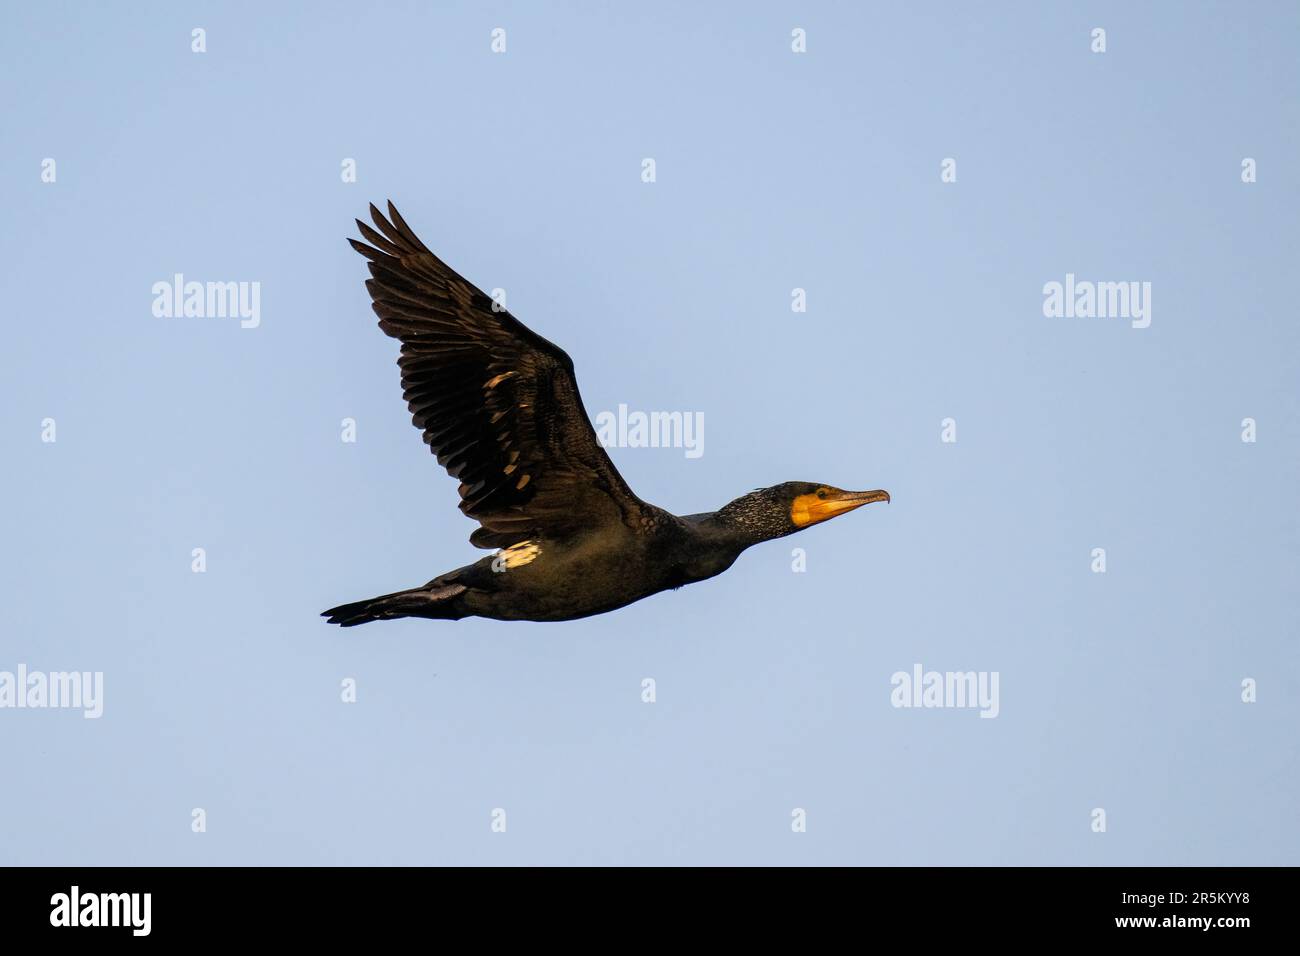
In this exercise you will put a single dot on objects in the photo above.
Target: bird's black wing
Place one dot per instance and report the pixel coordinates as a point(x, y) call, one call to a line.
point(498, 404)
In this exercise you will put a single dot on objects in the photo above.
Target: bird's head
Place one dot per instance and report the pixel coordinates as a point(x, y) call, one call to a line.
point(792, 506)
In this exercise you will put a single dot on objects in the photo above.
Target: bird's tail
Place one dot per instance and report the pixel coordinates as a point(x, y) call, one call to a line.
point(432, 600)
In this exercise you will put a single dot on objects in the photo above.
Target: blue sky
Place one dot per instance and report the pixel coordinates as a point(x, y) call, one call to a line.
point(774, 171)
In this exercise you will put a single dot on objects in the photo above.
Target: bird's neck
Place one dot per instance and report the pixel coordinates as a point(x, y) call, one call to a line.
point(742, 524)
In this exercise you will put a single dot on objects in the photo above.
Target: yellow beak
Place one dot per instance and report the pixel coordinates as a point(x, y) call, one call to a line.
point(828, 502)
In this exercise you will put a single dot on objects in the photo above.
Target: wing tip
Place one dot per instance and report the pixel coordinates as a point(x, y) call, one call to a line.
point(371, 253)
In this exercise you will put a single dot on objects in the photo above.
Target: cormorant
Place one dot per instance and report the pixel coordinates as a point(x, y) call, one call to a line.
point(499, 407)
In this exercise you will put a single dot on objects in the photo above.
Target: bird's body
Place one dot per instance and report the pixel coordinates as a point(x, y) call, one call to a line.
point(500, 408)
point(563, 579)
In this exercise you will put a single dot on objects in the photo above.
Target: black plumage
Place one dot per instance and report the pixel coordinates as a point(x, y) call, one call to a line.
point(499, 407)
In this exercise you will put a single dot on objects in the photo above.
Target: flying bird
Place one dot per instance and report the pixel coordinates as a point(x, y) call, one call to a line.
point(499, 407)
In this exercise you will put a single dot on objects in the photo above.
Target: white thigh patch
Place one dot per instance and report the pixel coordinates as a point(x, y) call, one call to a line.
point(517, 555)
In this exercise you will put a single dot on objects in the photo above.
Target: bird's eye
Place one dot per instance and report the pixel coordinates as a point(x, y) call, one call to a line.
point(821, 492)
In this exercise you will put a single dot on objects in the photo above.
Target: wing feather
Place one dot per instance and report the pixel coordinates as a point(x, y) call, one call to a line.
point(498, 404)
